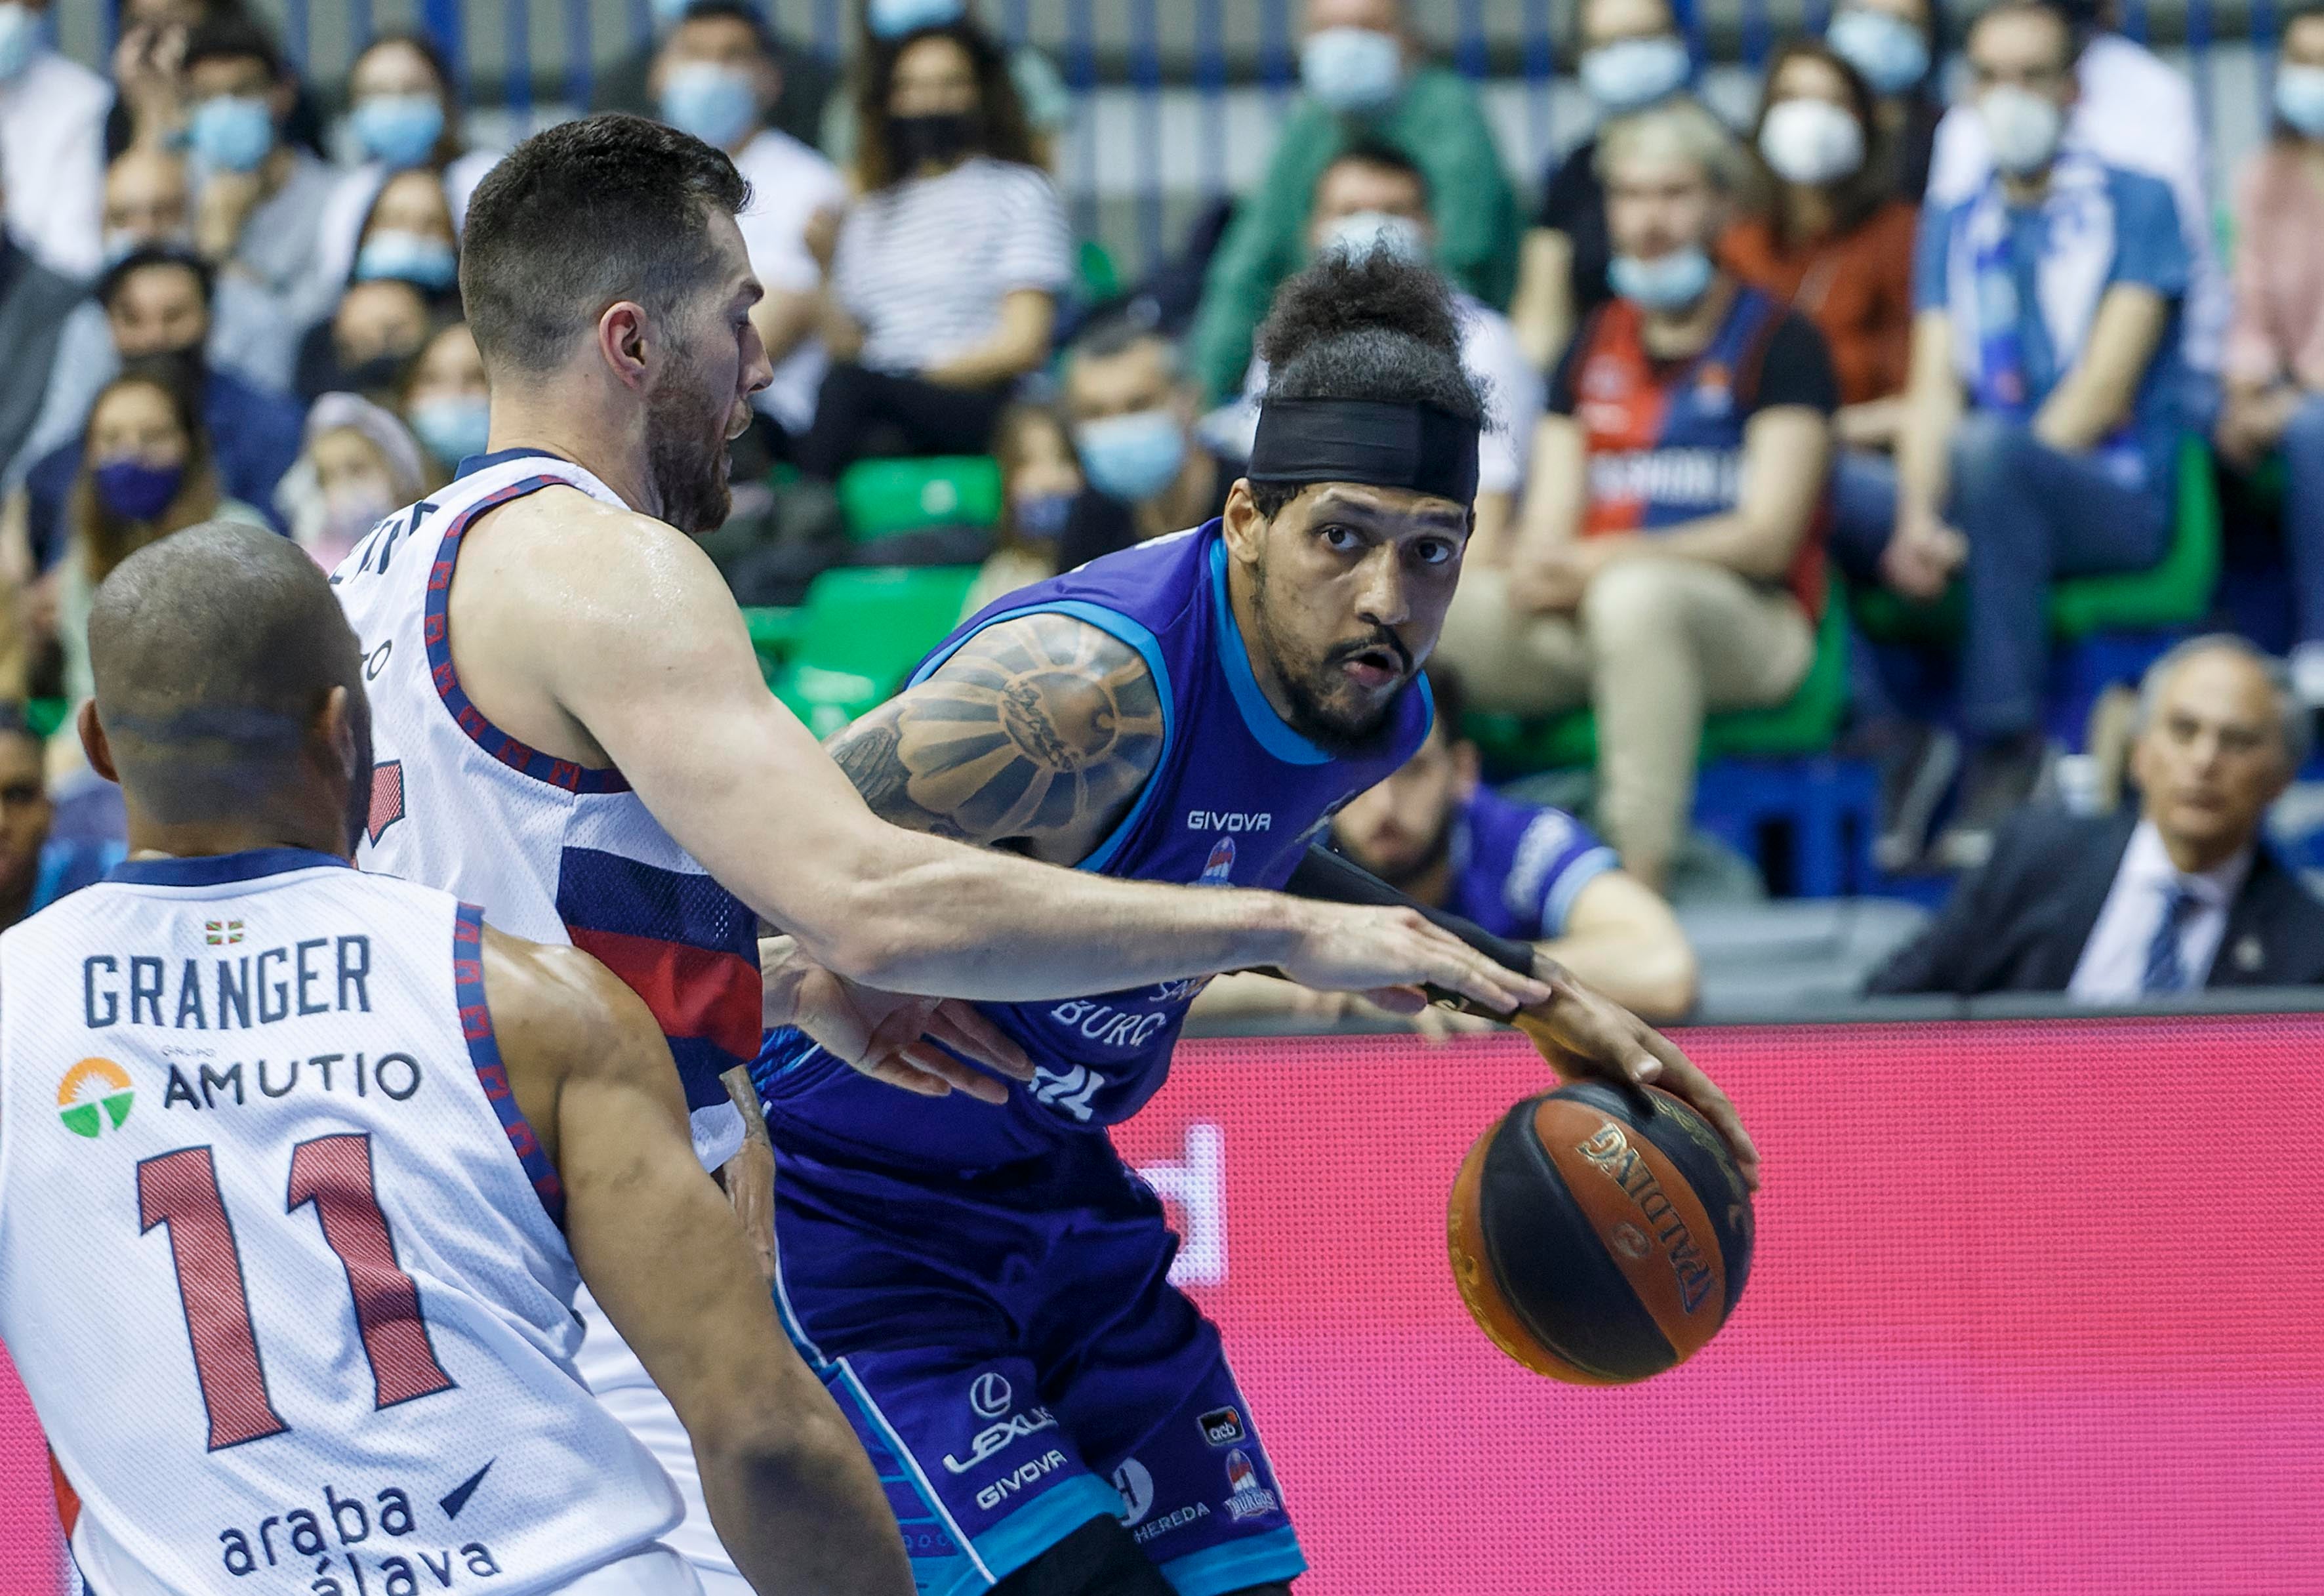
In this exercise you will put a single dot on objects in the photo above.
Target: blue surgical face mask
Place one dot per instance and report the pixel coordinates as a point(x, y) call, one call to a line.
point(1631, 73)
point(135, 491)
point(1352, 69)
point(399, 129)
point(1364, 231)
point(893, 19)
point(408, 257)
point(230, 132)
point(2300, 98)
point(1040, 518)
point(1672, 281)
point(718, 104)
point(19, 36)
point(452, 428)
point(1132, 457)
point(1891, 52)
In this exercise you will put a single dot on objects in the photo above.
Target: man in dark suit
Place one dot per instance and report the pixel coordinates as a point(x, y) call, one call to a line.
point(2181, 896)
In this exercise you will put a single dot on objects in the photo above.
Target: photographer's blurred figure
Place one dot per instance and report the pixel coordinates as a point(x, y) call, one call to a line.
point(1435, 831)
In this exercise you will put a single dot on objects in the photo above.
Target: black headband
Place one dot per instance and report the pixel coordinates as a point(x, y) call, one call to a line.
point(1391, 446)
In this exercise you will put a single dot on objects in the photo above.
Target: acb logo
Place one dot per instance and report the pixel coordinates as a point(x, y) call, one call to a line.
point(94, 1095)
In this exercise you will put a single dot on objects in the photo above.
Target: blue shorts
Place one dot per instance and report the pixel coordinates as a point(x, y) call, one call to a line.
point(1017, 1364)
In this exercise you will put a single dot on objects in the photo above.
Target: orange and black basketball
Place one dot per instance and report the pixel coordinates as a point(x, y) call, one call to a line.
point(1599, 1236)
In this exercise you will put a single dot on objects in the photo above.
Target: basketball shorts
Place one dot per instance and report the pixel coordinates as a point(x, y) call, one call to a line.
point(1016, 1362)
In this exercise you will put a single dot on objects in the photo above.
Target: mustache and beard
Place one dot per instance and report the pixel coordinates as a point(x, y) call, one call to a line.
point(686, 453)
point(1319, 694)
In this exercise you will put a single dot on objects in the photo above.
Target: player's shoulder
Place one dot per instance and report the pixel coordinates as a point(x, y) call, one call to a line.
point(554, 997)
point(567, 558)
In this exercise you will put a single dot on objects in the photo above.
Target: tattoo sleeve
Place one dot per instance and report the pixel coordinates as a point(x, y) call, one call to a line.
point(1038, 730)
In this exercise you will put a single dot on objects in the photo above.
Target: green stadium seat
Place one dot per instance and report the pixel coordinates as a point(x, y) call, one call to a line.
point(2175, 592)
point(1804, 724)
point(1095, 272)
point(774, 633)
point(878, 498)
point(860, 633)
point(44, 716)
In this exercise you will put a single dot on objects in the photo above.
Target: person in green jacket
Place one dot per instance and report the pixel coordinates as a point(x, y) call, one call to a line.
point(1363, 78)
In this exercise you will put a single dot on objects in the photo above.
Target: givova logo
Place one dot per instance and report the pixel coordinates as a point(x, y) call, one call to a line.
point(93, 1094)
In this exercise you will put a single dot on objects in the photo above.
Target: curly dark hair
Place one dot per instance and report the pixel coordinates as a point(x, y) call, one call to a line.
point(1372, 327)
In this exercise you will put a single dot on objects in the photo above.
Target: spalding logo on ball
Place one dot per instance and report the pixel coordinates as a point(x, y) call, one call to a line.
point(1599, 1237)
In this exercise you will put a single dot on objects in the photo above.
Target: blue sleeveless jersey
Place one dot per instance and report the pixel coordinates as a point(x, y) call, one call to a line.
point(1233, 801)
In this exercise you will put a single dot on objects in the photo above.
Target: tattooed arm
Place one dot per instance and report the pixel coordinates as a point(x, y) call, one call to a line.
point(1036, 737)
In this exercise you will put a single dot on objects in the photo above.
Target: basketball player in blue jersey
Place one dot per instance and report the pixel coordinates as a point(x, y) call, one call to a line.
point(305, 1165)
point(984, 1288)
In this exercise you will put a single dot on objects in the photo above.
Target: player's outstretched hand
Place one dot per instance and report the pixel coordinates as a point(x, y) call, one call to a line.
point(1389, 955)
point(1587, 1036)
point(891, 1036)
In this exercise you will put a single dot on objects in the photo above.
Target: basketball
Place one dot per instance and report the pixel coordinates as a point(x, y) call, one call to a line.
point(1600, 1237)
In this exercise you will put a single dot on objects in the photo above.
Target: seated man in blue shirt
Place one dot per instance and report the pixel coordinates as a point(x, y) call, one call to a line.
point(1435, 831)
point(2046, 401)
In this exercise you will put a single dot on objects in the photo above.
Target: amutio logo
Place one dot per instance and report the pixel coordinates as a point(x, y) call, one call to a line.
point(93, 1095)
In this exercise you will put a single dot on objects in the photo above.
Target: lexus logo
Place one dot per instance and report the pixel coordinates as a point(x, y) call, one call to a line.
point(990, 1396)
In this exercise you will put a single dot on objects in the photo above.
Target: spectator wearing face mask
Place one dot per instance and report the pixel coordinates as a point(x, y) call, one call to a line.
point(809, 78)
point(146, 207)
point(1040, 87)
point(2134, 111)
point(1362, 77)
point(1133, 415)
point(2047, 398)
point(717, 78)
point(157, 305)
point(51, 143)
point(1039, 481)
point(150, 109)
point(403, 119)
point(941, 291)
point(1835, 247)
point(1373, 197)
point(445, 399)
point(146, 472)
point(1631, 57)
point(35, 304)
point(369, 342)
point(2275, 346)
point(360, 463)
point(1894, 45)
point(258, 199)
point(1669, 556)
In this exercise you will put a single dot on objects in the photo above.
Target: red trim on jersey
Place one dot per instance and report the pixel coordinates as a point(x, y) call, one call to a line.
point(693, 992)
point(68, 1498)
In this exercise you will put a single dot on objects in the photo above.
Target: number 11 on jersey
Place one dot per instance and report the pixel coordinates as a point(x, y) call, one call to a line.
point(334, 1173)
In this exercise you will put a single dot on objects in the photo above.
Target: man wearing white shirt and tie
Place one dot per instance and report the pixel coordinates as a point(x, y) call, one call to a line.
point(2181, 896)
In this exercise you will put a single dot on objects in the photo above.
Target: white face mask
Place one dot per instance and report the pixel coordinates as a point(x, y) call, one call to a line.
point(1811, 142)
point(2023, 127)
point(1361, 232)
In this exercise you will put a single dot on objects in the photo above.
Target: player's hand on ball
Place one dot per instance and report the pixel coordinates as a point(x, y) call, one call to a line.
point(1585, 1035)
point(891, 1036)
point(1389, 955)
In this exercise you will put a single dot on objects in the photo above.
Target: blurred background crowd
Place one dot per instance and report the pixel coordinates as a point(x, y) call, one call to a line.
point(1899, 552)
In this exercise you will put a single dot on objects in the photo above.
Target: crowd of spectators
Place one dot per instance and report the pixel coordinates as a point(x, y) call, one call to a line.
point(1875, 338)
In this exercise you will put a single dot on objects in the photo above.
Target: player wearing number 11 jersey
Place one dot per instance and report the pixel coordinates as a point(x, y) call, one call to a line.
point(300, 1168)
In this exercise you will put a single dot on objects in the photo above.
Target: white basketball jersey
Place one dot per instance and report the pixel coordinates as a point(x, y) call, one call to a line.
point(280, 1261)
point(552, 851)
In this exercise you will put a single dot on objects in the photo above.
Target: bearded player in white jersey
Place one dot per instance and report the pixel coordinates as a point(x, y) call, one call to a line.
point(299, 1168)
point(574, 733)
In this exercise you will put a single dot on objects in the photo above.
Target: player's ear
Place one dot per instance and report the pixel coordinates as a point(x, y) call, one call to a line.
point(622, 342)
point(93, 743)
point(1244, 526)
